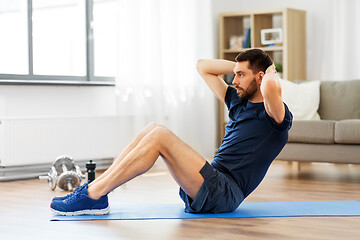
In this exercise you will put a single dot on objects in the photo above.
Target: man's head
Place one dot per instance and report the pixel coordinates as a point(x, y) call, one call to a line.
point(249, 70)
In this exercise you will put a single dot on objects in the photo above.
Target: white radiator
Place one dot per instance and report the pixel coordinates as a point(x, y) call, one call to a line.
point(34, 141)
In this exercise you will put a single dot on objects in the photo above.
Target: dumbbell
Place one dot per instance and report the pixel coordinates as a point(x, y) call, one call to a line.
point(69, 174)
point(51, 177)
point(64, 173)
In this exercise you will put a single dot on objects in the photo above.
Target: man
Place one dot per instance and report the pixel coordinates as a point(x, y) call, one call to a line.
point(257, 131)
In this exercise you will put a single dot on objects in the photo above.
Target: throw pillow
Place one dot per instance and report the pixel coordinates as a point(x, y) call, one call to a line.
point(302, 99)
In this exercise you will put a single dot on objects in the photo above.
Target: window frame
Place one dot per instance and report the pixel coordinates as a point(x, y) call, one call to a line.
point(35, 79)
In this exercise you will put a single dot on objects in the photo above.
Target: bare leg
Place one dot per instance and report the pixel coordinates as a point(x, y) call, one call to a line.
point(183, 162)
point(126, 151)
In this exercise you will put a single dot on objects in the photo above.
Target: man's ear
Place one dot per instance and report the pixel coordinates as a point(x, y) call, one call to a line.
point(260, 76)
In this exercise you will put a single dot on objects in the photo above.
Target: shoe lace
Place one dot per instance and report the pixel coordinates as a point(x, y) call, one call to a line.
point(75, 194)
point(76, 190)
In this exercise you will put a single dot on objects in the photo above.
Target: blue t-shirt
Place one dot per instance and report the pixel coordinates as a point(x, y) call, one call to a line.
point(252, 141)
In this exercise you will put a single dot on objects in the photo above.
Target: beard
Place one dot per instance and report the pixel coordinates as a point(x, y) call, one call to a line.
point(247, 94)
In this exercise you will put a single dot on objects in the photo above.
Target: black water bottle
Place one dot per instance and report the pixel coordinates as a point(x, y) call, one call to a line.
point(90, 170)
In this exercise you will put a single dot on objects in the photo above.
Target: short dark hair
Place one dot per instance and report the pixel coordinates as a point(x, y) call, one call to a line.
point(258, 59)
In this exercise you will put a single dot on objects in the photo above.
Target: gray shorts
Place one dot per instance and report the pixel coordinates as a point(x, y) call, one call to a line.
point(219, 193)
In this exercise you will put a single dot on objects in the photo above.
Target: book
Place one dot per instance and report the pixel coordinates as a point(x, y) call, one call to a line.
point(247, 40)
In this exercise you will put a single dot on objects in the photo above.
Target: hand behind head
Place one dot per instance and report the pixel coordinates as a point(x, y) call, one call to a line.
point(271, 68)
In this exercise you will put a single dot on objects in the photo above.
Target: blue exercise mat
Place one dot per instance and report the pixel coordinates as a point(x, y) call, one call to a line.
point(246, 210)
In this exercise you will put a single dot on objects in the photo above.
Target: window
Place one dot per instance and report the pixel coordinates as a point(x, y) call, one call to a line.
point(70, 40)
point(59, 46)
point(105, 36)
point(13, 40)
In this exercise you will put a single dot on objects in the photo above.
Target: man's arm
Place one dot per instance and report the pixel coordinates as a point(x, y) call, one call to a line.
point(271, 91)
point(210, 69)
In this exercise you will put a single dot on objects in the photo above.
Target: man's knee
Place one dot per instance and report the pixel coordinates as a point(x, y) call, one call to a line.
point(159, 134)
point(152, 126)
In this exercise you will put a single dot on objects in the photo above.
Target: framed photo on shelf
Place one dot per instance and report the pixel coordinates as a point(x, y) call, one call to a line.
point(271, 36)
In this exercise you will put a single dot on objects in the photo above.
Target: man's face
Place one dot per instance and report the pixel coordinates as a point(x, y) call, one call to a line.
point(244, 81)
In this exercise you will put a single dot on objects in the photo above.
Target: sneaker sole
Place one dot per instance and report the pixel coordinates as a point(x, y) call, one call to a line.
point(104, 211)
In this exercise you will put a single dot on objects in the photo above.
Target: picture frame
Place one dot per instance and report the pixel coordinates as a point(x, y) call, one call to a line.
point(271, 36)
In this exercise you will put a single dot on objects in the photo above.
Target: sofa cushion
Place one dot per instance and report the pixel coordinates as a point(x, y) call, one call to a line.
point(312, 131)
point(340, 100)
point(347, 131)
point(302, 98)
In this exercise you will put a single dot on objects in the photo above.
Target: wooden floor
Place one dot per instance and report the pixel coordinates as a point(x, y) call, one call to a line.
point(25, 214)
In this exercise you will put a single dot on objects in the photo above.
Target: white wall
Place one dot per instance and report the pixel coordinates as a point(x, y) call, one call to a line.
point(316, 21)
point(56, 101)
point(34, 101)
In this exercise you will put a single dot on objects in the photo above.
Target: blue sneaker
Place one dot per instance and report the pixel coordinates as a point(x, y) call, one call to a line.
point(79, 203)
point(70, 194)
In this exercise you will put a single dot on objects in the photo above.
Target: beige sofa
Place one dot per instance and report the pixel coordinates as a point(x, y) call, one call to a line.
point(336, 137)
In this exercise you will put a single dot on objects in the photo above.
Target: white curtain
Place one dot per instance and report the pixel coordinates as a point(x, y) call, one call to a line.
point(159, 44)
point(341, 39)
